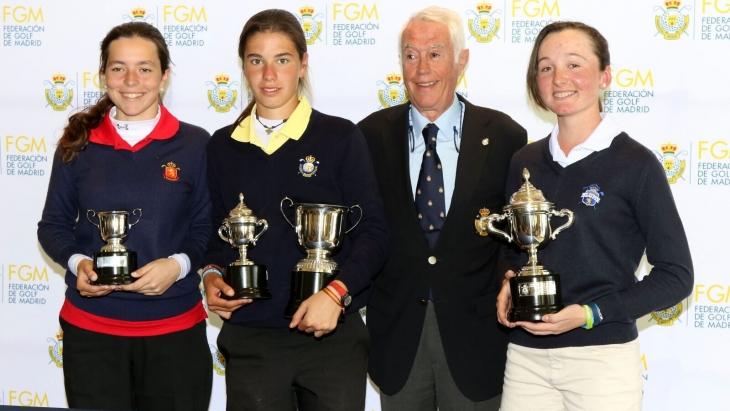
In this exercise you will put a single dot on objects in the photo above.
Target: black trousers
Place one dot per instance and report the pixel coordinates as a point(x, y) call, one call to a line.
point(166, 372)
point(285, 370)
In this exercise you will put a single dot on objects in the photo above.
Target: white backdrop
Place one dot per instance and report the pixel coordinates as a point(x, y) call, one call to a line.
point(670, 91)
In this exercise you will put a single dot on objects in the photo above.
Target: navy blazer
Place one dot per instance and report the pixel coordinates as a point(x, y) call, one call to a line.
point(461, 271)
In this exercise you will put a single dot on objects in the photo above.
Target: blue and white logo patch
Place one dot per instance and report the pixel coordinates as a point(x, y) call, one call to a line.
point(308, 166)
point(591, 195)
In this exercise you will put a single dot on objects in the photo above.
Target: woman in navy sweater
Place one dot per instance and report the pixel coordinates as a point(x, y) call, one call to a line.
point(586, 356)
point(279, 147)
point(141, 345)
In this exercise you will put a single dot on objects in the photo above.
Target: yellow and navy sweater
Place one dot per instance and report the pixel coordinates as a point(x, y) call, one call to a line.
point(164, 175)
point(329, 163)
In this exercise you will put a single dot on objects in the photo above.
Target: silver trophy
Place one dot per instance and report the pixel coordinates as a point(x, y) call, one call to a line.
point(248, 279)
point(319, 232)
point(114, 263)
point(535, 290)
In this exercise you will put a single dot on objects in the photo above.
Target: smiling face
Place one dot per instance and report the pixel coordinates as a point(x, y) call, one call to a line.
point(569, 77)
point(273, 70)
point(430, 70)
point(133, 78)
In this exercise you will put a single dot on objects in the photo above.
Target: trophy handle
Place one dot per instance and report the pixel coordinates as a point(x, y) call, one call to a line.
point(494, 230)
point(281, 208)
point(224, 234)
point(91, 214)
point(562, 213)
point(356, 206)
point(136, 212)
point(265, 226)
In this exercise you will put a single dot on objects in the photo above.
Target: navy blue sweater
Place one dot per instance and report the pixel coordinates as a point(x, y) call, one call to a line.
point(344, 176)
point(597, 256)
point(175, 216)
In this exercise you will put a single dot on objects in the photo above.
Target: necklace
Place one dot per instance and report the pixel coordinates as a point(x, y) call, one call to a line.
point(270, 129)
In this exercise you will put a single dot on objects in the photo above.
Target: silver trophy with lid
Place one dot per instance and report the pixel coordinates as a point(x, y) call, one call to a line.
point(241, 229)
point(535, 290)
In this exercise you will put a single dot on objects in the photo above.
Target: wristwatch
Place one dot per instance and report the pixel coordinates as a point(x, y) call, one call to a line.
point(345, 297)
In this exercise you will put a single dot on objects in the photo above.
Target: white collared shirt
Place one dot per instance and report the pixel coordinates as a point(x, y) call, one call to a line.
point(600, 139)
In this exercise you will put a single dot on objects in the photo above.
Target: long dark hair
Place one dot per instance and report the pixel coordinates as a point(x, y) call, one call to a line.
point(600, 48)
point(273, 21)
point(76, 134)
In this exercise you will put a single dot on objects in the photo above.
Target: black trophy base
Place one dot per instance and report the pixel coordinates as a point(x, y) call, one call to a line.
point(114, 267)
point(304, 284)
point(534, 296)
point(248, 281)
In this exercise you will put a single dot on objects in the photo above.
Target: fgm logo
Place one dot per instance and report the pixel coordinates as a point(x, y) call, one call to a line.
point(671, 21)
point(59, 93)
point(222, 94)
point(392, 92)
point(311, 24)
point(669, 316)
point(219, 361)
point(483, 25)
point(55, 350)
point(139, 14)
point(673, 161)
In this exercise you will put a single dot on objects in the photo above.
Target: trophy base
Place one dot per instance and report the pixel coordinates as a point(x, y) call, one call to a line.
point(534, 296)
point(248, 281)
point(114, 267)
point(304, 284)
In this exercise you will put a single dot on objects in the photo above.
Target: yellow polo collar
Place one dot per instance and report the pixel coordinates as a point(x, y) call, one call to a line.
point(293, 129)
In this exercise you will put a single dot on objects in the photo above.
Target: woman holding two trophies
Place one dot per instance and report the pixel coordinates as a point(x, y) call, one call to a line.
point(281, 147)
point(134, 338)
point(586, 356)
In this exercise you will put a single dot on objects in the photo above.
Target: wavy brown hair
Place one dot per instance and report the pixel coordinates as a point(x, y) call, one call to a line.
point(273, 21)
point(75, 136)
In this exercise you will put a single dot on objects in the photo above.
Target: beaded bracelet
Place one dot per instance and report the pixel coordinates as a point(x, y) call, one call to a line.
point(209, 269)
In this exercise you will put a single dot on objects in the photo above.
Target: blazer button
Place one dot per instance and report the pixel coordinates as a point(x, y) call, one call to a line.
point(432, 260)
point(422, 301)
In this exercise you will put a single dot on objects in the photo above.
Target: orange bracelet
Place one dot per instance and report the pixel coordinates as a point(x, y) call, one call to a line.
point(331, 294)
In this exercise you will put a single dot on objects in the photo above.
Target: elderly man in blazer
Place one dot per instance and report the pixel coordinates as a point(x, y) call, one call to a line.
point(435, 340)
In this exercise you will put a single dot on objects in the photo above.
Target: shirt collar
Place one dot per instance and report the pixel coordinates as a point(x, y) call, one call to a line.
point(447, 121)
point(600, 139)
point(293, 129)
point(106, 133)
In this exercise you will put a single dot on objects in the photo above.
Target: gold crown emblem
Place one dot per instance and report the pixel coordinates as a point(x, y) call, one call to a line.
point(484, 7)
point(310, 159)
point(306, 11)
point(393, 78)
point(672, 4)
point(222, 78)
point(669, 148)
point(59, 336)
point(58, 78)
point(138, 12)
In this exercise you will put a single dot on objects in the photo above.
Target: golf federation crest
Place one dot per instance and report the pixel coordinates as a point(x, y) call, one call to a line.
point(393, 92)
point(59, 92)
point(671, 21)
point(55, 350)
point(483, 25)
point(311, 24)
point(668, 316)
point(171, 172)
point(308, 166)
point(219, 361)
point(139, 14)
point(591, 195)
point(672, 161)
point(222, 93)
